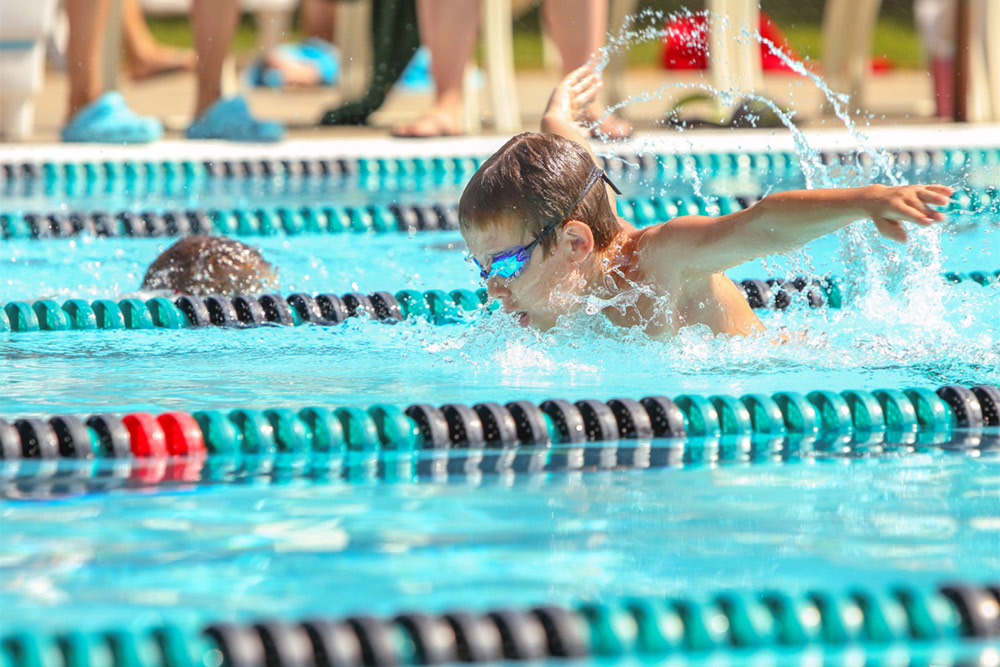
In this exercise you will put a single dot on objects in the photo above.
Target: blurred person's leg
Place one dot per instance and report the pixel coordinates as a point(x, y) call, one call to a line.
point(83, 51)
point(578, 27)
point(317, 17)
point(147, 57)
point(448, 30)
point(214, 23)
point(91, 114)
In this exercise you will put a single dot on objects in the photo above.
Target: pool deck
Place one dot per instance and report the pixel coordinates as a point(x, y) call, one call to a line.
point(898, 98)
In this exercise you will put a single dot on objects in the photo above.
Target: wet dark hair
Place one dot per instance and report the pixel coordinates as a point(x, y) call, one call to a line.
point(203, 265)
point(535, 177)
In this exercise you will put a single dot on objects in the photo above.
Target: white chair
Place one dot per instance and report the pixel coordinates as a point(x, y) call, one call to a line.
point(23, 28)
point(734, 53)
point(981, 67)
point(498, 55)
point(848, 30)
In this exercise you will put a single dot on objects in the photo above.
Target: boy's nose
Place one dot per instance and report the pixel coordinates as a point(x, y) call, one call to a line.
point(496, 288)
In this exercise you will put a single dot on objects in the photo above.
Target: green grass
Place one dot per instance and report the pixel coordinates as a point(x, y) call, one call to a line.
point(894, 38)
point(176, 31)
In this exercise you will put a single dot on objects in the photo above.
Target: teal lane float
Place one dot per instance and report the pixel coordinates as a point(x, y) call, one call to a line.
point(957, 620)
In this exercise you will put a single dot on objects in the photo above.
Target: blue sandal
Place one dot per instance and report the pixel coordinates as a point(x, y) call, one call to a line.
point(108, 120)
point(230, 119)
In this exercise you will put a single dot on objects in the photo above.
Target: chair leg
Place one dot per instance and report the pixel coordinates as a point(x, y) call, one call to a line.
point(352, 32)
point(271, 25)
point(991, 26)
point(848, 30)
point(472, 119)
point(983, 102)
point(734, 55)
point(111, 49)
point(614, 73)
point(498, 41)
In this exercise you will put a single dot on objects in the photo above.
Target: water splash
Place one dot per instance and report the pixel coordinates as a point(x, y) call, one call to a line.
point(885, 280)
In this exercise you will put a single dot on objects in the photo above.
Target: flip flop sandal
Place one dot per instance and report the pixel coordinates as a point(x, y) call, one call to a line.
point(259, 75)
point(108, 120)
point(230, 119)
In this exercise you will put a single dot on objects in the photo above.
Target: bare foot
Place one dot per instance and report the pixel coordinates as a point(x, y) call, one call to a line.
point(429, 124)
point(161, 60)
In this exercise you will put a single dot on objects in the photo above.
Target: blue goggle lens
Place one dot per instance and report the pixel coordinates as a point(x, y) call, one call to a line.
point(505, 265)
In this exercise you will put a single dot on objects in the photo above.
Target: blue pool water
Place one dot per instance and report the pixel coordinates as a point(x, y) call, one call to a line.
point(89, 549)
point(297, 549)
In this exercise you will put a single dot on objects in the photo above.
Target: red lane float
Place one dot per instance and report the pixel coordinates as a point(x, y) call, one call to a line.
point(146, 434)
point(183, 434)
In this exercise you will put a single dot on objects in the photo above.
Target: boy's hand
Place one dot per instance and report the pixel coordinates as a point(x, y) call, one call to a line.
point(573, 95)
point(887, 206)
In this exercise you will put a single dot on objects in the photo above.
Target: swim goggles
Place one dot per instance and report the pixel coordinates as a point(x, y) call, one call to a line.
point(510, 262)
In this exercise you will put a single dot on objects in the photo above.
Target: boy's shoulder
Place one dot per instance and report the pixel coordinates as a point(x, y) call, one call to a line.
point(653, 243)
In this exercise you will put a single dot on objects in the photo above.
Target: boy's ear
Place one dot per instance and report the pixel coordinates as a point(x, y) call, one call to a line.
point(579, 237)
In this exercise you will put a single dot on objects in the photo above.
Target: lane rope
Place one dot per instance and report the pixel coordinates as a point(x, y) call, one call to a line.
point(648, 627)
point(436, 306)
point(882, 415)
point(457, 168)
point(396, 217)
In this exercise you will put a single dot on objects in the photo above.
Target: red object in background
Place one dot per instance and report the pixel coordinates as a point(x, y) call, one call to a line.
point(685, 45)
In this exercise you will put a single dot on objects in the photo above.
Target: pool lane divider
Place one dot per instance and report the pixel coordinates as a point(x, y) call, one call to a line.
point(318, 431)
point(336, 219)
point(436, 306)
point(437, 169)
point(727, 623)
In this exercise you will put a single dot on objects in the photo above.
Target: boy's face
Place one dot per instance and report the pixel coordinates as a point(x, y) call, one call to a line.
point(547, 285)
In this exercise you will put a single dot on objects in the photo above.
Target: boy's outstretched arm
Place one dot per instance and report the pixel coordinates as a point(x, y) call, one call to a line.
point(784, 221)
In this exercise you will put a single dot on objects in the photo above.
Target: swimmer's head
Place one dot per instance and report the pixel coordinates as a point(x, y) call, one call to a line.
point(542, 193)
point(204, 265)
point(533, 180)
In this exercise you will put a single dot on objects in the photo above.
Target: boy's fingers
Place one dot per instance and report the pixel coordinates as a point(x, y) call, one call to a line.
point(913, 214)
point(588, 82)
point(891, 229)
point(931, 197)
point(590, 94)
point(929, 214)
point(941, 189)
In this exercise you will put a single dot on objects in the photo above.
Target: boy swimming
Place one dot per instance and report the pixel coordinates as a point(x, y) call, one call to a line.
point(211, 265)
point(538, 221)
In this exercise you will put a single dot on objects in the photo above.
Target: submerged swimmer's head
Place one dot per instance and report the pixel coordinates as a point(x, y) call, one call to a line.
point(536, 219)
point(203, 265)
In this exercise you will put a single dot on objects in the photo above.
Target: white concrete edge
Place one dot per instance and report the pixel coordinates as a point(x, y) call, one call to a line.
point(690, 141)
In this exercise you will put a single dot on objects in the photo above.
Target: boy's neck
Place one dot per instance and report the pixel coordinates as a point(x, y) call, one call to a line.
point(610, 269)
